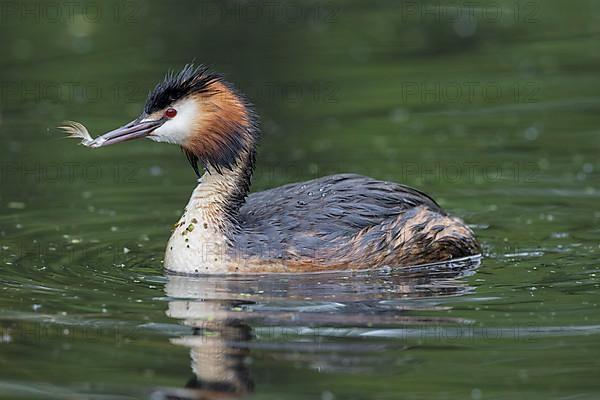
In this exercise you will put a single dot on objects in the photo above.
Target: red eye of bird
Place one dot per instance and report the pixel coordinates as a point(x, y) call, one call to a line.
point(171, 112)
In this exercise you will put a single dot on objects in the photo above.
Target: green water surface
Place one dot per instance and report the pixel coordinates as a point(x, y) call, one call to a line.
point(495, 113)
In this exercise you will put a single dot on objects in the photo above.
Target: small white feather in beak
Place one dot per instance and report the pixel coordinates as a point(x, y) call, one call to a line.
point(77, 130)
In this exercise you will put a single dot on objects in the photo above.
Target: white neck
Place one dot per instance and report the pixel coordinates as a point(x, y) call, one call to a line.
point(200, 242)
point(213, 195)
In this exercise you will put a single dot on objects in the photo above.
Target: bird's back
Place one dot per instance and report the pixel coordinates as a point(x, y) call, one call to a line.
point(332, 206)
point(325, 219)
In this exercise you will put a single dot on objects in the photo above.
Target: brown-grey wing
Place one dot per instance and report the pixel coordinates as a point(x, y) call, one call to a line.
point(327, 208)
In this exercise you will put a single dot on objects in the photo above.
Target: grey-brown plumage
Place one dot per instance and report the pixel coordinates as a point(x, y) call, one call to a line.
point(349, 221)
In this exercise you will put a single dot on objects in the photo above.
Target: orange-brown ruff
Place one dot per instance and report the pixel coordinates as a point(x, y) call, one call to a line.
point(336, 222)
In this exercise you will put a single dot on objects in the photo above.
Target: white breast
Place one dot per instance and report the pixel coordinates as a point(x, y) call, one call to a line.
point(196, 245)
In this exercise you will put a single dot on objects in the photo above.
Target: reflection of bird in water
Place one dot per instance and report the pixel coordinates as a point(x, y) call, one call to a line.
point(218, 366)
point(223, 312)
point(337, 222)
point(217, 346)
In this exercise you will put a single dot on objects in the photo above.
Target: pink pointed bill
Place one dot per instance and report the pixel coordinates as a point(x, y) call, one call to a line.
point(133, 130)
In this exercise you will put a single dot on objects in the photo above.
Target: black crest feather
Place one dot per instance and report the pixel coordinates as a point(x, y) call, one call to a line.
point(177, 85)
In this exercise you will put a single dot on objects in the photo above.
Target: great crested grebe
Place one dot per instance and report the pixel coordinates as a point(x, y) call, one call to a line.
point(337, 222)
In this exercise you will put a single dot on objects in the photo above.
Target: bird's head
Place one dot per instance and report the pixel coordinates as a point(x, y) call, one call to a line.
point(199, 111)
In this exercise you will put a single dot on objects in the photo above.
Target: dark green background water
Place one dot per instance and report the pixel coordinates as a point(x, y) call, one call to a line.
point(495, 113)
